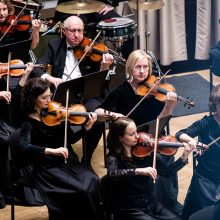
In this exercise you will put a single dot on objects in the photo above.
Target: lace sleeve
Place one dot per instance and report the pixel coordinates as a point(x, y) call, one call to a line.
point(113, 168)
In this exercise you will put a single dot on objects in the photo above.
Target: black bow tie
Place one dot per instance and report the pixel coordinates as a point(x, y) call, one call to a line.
point(70, 48)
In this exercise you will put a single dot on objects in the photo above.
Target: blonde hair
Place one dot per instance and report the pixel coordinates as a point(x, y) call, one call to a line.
point(132, 60)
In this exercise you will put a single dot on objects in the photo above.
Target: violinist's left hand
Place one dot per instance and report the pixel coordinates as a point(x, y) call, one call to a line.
point(171, 101)
point(36, 25)
point(25, 74)
point(188, 148)
point(106, 9)
point(107, 60)
point(91, 121)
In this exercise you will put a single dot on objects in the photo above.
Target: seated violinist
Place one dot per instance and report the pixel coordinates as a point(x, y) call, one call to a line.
point(66, 186)
point(15, 34)
point(60, 55)
point(9, 115)
point(205, 183)
point(122, 100)
point(130, 178)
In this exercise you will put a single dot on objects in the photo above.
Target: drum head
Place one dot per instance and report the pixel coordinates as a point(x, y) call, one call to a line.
point(112, 22)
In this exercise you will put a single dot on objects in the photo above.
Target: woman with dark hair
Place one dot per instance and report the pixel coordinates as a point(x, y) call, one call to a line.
point(66, 188)
point(122, 99)
point(131, 177)
point(205, 182)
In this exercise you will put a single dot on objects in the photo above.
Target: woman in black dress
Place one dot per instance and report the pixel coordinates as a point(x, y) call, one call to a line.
point(131, 177)
point(9, 105)
point(205, 183)
point(122, 99)
point(67, 188)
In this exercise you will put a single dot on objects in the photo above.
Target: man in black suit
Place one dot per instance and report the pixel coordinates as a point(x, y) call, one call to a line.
point(60, 55)
point(92, 19)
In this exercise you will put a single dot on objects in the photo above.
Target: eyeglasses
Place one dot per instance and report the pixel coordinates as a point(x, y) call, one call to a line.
point(47, 97)
point(139, 68)
point(73, 31)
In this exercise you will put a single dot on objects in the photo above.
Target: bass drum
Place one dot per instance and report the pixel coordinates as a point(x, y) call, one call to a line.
point(117, 29)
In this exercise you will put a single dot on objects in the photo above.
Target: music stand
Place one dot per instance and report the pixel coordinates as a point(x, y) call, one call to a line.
point(20, 50)
point(85, 87)
point(150, 127)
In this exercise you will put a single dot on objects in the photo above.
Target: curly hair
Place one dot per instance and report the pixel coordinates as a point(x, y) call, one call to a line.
point(30, 92)
point(10, 7)
point(214, 98)
point(116, 130)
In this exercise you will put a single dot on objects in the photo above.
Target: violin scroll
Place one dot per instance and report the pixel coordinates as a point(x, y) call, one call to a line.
point(159, 90)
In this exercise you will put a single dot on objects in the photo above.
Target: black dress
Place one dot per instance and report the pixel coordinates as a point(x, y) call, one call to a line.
point(66, 188)
point(205, 183)
point(122, 100)
point(132, 195)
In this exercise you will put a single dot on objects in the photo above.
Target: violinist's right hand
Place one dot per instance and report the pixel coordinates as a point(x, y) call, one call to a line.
point(91, 121)
point(5, 95)
point(61, 151)
point(54, 80)
point(147, 171)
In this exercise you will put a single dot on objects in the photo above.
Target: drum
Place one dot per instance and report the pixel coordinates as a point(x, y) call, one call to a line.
point(117, 29)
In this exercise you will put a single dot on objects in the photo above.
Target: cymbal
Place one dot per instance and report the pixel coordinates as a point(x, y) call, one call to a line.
point(80, 7)
point(147, 4)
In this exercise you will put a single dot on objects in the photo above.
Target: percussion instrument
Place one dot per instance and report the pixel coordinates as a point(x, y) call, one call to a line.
point(80, 7)
point(147, 4)
point(117, 29)
point(31, 6)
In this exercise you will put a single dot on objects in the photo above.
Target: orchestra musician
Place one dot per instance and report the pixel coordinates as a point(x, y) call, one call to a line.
point(121, 100)
point(60, 55)
point(66, 186)
point(7, 125)
point(129, 177)
point(92, 19)
point(206, 178)
point(6, 9)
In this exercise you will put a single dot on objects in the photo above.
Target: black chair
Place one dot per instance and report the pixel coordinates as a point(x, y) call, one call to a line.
point(21, 175)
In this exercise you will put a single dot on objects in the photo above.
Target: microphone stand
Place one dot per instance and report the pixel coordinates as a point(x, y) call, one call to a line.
point(138, 34)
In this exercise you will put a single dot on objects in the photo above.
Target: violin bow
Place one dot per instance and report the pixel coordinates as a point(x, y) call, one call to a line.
point(86, 51)
point(7, 85)
point(16, 18)
point(147, 93)
point(156, 143)
point(66, 120)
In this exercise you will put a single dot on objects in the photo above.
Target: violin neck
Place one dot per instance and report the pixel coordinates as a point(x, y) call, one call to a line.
point(23, 22)
point(170, 144)
point(20, 66)
point(162, 90)
point(84, 114)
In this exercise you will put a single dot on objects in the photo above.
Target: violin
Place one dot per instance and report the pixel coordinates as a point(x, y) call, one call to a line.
point(23, 23)
point(76, 114)
point(16, 67)
point(96, 51)
point(167, 145)
point(159, 91)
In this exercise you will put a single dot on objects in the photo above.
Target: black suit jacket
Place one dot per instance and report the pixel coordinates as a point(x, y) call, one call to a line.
point(56, 57)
